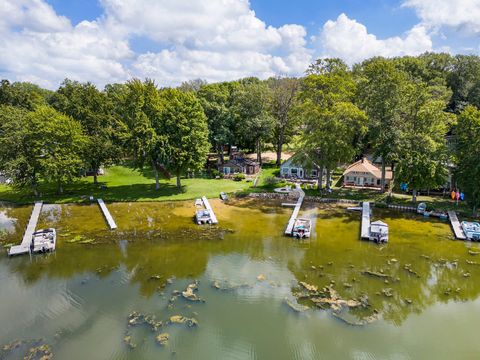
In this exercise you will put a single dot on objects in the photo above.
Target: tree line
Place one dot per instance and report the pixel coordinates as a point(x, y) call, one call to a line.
point(399, 110)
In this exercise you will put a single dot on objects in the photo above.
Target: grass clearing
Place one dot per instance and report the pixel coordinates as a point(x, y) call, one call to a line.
point(121, 183)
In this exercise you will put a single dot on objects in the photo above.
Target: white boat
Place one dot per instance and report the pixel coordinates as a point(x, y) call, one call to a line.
point(203, 217)
point(471, 230)
point(302, 228)
point(378, 232)
point(198, 202)
point(43, 241)
point(223, 196)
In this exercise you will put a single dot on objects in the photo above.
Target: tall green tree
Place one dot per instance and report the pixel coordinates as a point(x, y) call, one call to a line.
point(86, 104)
point(139, 106)
point(40, 145)
point(216, 102)
point(468, 155)
point(60, 143)
point(254, 123)
point(381, 93)
point(423, 155)
point(18, 156)
point(333, 124)
point(184, 125)
point(283, 100)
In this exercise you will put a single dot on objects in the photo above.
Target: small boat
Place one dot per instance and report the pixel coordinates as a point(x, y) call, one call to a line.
point(203, 217)
point(378, 232)
point(422, 207)
point(354, 208)
point(198, 202)
point(43, 241)
point(471, 230)
point(301, 228)
point(223, 196)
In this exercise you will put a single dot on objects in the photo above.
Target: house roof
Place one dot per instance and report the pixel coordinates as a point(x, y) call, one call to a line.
point(241, 162)
point(364, 165)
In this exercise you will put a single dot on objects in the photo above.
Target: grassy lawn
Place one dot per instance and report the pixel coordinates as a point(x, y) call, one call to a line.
point(122, 183)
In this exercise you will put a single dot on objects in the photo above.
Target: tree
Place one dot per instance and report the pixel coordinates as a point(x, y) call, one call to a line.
point(185, 126)
point(464, 80)
point(216, 103)
point(381, 95)
point(467, 172)
point(139, 106)
point(254, 123)
point(333, 125)
point(60, 143)
point(23, 94)
point(90, 107)
point(283, 99)
point(18, 156)
point(423, 156)
point(42, 144)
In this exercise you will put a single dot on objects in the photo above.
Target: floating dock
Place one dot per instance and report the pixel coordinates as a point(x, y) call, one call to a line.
point(365, 229)
point(24, 247)
point(457, 228)
point(298, 205)
point(107, 214)
point(209, 208)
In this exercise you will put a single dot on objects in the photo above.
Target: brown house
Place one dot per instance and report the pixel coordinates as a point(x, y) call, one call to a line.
point(239, 164)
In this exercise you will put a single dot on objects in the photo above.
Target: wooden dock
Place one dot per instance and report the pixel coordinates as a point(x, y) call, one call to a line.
point(296, 210)
point(107, 214)
point(209, 208)
point(24, 247)
point(457, 229)
point(365, 227)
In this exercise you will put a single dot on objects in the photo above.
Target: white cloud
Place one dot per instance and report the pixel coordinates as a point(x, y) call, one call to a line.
point(350, 40)
point(463, 15)
point(210, 39)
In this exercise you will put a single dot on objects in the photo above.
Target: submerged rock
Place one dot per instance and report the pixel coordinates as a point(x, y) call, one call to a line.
point(362, 322)
point(388, 292)
point(296, 306)
point(190, 293)
point(129, 342)
point(136, 319)
point(375, 274)
point(179, 319)
point(261, 277)
point(162, 339)
point(42, 352)
point(308, 287)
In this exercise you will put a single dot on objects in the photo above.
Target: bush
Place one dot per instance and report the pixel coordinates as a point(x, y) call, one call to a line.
point(215, 174)
point(271, 180)
point(239, 177)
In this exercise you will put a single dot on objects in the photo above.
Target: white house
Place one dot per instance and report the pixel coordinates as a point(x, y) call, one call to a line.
point(364, 173)
point(294, 168)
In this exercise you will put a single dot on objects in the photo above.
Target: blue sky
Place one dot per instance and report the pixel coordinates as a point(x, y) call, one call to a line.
point(171, 41)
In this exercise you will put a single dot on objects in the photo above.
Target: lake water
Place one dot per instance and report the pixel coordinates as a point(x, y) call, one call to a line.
point(78, 300)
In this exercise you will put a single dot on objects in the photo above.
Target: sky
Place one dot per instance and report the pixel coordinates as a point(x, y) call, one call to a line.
point(171, 41)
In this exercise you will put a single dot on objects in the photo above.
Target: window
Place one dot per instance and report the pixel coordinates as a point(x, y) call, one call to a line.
point(314, 172)
point(294, 171)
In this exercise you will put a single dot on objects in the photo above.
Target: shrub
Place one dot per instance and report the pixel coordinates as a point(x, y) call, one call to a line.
point(239, 177)
point(215, 174)
point(271, 180)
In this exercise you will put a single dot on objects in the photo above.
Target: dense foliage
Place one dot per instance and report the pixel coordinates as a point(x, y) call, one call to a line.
point(399, 110)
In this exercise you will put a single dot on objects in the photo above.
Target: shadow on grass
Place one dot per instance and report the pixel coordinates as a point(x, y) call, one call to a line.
point(82, 191)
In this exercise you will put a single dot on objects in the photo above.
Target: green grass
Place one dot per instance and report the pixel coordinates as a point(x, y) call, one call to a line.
point(122, 183)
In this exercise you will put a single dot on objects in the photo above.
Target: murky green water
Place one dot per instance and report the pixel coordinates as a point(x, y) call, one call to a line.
point(78, 299)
